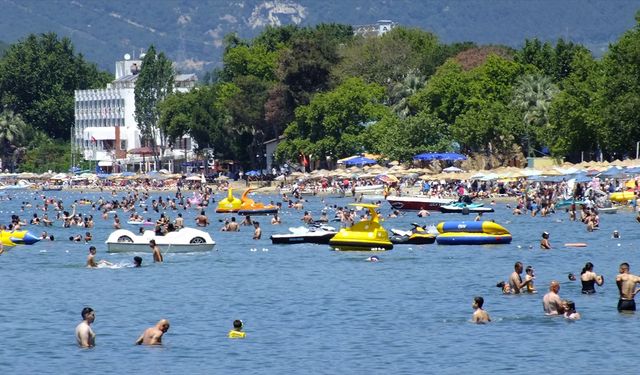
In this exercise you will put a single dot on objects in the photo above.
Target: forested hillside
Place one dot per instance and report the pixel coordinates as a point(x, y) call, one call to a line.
point(192, 31)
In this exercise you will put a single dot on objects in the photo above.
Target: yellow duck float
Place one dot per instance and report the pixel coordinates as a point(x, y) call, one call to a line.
point(249, 207)
point(366, 235)
point(229, 204)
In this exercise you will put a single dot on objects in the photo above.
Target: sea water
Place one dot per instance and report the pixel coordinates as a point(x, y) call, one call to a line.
point(307, 309)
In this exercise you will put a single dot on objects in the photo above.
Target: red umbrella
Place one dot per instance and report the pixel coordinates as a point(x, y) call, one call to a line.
point(146, 150)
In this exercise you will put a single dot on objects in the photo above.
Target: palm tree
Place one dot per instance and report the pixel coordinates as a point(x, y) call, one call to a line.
point(402, 91)
point(11, 135)
point(533, 94)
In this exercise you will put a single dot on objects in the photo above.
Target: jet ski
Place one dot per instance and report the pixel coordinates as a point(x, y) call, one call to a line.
point(416, 236)
point(366, 235)
point(464, 208)
point(315, 233)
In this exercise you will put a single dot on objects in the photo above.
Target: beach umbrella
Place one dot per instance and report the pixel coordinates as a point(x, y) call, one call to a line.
point(193, 178)
point(360, 160)
point(389, 179)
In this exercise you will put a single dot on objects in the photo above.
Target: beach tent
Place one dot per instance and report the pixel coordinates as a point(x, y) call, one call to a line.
point(360, 160)
point(449, 156)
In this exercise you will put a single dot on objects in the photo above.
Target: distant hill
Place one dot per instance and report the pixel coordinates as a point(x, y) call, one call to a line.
point(191, 32)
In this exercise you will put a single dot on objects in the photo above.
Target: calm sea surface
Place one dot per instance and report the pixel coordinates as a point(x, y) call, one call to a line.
point(310, 310)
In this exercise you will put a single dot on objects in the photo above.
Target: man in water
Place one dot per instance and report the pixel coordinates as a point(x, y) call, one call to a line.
point(137, 261)
point(157, 255)
point(544, 242)
point(91, 259)
point(84, 334)
point(257, 233)
point(236, 332)
point(627, 286)
point(202, 220)
point(233, 225)
point(153, 335)
point(515, 280)
point(552, 303)
point(480, 316)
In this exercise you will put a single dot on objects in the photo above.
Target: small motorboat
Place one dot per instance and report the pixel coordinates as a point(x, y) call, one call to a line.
point(229, 204)
point(472, 233)
point(461, 207)
point(417, 203)
point(565, 203)
point(17, 237)
point(185, 240)
point(366, 235)
point(249, 207)
point(319, 234)
point(416, 236)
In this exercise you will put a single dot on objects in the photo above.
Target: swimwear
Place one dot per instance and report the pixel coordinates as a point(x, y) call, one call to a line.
point(588, 287)
point(626, 305)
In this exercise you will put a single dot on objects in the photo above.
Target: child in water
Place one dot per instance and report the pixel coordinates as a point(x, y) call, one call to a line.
point(530, 276)
point(236, 332)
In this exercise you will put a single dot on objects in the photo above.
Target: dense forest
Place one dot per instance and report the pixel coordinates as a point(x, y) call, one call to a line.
point(332, 94)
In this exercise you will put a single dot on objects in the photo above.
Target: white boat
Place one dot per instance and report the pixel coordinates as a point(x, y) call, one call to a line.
point(185, 240)
point(320, 234)
point(607, 210)
point(370, 189)
point(20, 185)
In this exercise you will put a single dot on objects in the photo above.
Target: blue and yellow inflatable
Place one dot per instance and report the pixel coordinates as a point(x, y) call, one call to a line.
point(472, 233)
point(17, 237)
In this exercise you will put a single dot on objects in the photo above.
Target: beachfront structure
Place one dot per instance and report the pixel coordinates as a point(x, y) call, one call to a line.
point(376, 29)
point(105, 128)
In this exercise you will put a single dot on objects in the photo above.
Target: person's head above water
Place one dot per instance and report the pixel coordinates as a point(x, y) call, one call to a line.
point(545, 235)
point(237, 324)
point(137, 261)
point(478, 302)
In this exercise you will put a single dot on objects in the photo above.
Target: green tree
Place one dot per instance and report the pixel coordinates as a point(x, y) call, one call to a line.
point(574, 117)
point(402, 138)
point(334, 121)
point(153, 85)
point(619, 96)
point(12, 136)
point(38, 76)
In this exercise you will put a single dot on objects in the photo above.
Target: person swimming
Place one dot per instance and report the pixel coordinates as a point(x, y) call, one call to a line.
point(236, 332)
point(544, 242)
point(615, 234)
point(373, 258)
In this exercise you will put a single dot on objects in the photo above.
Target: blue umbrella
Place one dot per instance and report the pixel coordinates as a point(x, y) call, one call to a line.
point(360, 160)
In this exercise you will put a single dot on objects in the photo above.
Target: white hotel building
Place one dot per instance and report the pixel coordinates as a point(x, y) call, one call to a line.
point(105, 128)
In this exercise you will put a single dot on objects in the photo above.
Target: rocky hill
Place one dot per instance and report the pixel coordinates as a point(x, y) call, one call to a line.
point(192, 32)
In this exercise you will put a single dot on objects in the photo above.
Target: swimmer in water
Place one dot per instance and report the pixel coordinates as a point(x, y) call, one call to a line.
point(91, 259)
point(544, 242)
point(373, 258)
point(530, 276)
point(157, 255)
point(615, 234)
point(257, 233)
point(153, 335)
point(85, 336)
point(506, 288)
point(137, 261)
point(627, 287)
point(570, 310)
point(236, 332)
point(479, 316)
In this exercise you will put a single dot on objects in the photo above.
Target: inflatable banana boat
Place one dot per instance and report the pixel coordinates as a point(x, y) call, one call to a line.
point(472, 233)
point(621, 196)
point(17, 237)
point(366, 235)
